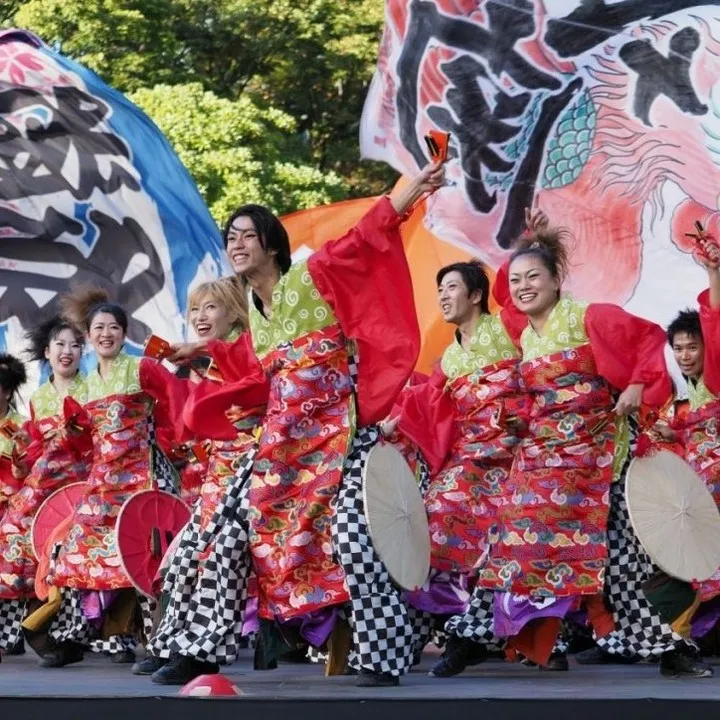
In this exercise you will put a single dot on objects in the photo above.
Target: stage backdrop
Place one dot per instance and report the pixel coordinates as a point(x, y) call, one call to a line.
point(91, 192)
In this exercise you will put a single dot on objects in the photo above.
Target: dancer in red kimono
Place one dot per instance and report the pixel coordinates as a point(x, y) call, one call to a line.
point(695, 340)
point(51, 461)
point(337, 336)
point(132, 409)
point(468, 420)
point(207, 584)
point(564, 536)
point(216, 310)
point(14, 443)
point(12, 378)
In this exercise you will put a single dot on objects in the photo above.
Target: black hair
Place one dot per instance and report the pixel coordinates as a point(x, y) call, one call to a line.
point(82, 304)
point(42, 335)
point(116, 311)
point(549, 245)
point(474, 276)
point(273, 236)
point(12, 373)
point(687, 321)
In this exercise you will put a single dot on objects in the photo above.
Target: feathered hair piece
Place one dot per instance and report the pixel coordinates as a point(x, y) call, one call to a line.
point(12, 373)
point(76, 305)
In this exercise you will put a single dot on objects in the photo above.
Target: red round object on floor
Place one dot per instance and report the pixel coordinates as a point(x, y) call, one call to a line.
point(210, 686)
point(147, 524)
point(56, 508)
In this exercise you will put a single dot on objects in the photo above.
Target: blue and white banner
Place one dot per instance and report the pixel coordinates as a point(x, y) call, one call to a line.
point(91, 192)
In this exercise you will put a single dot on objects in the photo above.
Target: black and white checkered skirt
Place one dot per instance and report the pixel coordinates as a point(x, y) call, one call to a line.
point(384, 631)
point(639, 629)
point(208, 597)
point(71, 625)
point(12, 613)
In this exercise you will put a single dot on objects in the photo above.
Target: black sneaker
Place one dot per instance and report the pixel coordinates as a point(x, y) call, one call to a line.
point(298, 656)
point(126, 657)
point(597, 656)
point(17, 649)
point(182, 669)
point(677, 664)
point(366, 678)
point(148, 666)
point(557, 662)
point(64, 654)
point(459, 653)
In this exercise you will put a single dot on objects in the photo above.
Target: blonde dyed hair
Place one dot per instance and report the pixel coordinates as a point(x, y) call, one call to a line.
point(230, 294)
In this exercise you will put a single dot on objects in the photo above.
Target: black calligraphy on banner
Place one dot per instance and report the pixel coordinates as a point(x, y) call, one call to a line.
point(500, 128)
point(483, 125)
point(57, 146)
point(659, 75)
point(594, 22)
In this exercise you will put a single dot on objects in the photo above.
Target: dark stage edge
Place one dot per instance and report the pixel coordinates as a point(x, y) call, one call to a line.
point(99, 690)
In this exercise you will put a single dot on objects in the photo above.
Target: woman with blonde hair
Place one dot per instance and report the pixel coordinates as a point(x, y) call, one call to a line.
point(216, 310)
point(187, 643)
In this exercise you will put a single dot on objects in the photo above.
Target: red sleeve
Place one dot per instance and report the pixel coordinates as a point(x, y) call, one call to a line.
point(78, 427)
point(513, 320)
point(232, 359)
point(427, 417)
point(365, 278)
point(629, 350)
point(9, 484)
point(205, 412)
point(28, 447)
point(501, 286)
point(170, 393)
point(710, 324)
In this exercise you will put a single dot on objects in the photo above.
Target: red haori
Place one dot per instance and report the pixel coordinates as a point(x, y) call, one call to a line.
point(297, 473)
point(702, 450)
point(553, 518)
point(365, 278)
point(58, 465)
point(121, 467)
point(489, 413)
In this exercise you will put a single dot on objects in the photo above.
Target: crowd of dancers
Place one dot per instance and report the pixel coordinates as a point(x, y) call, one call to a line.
point(520, 441)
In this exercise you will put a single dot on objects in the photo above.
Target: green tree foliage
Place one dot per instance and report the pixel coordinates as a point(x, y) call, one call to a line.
point(236, 150)
point(261, 98)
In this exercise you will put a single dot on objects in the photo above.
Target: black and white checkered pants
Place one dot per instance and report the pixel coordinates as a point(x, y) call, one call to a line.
point(71, 625)
point(12, 613)
point(477, 623)
point(639, 630)
point(382, 628)
point(207, 598)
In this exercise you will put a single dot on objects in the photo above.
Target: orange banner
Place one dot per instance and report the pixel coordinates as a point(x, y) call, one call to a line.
point(426, 254)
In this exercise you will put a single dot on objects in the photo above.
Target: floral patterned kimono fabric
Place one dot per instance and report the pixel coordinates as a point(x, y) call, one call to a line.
point(563, 534)
point(471, 415)
point(339, 344)
point(13, 441)
point(15, 461)
point(132, 416)
point(208, 580)
point(55, 463)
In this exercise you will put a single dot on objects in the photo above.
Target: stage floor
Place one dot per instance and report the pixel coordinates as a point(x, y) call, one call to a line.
point(97, 677)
